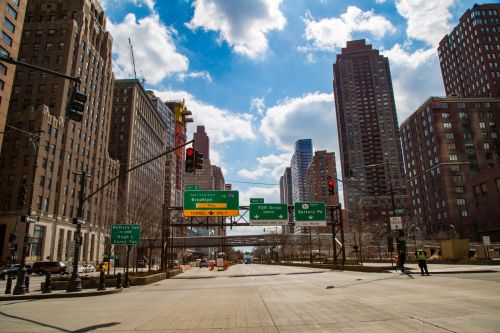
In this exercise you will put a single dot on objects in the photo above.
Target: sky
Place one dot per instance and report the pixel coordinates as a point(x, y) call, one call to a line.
point(258, 73)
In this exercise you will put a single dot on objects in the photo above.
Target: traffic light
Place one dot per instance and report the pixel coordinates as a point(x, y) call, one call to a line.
point(198, 159)
point(76, 105)
point(21, 196)
point(189, 167)
point(331, 186)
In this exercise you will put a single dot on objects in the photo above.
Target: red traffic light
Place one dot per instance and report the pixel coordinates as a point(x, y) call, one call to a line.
point(190, 152)
point(331, 183)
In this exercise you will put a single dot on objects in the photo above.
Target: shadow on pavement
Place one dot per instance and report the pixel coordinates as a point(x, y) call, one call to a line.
point(81, 330)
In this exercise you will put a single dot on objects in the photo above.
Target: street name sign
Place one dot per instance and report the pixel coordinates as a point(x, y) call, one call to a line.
point(256, 200)
point(396, 222)
point(125, 234)
point(310, 214)
point(211, 203)
point(268, 214)
point(190, 187)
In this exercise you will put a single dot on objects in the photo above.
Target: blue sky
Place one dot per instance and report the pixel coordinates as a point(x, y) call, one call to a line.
point(258, 73)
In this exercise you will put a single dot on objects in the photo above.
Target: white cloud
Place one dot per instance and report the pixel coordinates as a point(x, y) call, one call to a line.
point(258, 104)
point(416, 76)
point(203, 74)
point(242, 24)
point(332, 33)
point(379, 1)
point(270, 194)
point(155, 54)
point(310, 116)
point(271, 166)
point(221, 125)
point(427, 20)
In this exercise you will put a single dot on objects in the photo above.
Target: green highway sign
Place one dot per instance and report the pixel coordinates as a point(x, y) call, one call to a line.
point(310, 214)
point(125, 234)
point(211, 203)
point(268, 214)
point(256, 200)
point(189, 187)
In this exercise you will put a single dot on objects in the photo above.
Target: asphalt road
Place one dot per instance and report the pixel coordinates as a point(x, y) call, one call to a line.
point(260, 298)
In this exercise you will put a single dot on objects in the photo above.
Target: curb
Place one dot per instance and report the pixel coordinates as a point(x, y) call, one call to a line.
point(454, 272)
point(61, 295)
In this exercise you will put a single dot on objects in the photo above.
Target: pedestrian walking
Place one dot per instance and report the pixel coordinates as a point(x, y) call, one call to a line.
point(422, 261)
point(402, 259)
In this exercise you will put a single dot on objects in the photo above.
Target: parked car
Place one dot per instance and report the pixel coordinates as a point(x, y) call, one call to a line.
point(203, 263)
point(54, 267)
point(81, 269)
point(89, 268)
point(12, 271)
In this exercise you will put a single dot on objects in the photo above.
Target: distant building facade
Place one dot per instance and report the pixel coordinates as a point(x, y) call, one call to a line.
point(367, 124)
point(469, 55)
point(138, 132)
point(452, 155)
point(300, 161)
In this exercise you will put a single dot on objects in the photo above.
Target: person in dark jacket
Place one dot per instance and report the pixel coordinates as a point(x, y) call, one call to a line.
point(402, 260)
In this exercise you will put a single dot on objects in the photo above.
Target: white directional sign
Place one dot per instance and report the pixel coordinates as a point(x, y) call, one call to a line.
point(396, 223)
point(268, 214)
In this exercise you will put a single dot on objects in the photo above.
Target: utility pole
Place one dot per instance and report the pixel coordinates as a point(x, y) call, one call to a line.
point(75, 283)
point(20, 288)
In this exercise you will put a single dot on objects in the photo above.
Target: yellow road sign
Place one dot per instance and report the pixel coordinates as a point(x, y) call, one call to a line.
point(211, 205)
point(218, 212)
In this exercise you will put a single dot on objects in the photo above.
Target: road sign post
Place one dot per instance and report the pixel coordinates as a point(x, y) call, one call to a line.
point(125, 234)
point(268, 214)
point(310, 214)
point(211, 203)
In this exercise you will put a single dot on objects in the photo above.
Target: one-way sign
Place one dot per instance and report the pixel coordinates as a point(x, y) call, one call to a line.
point(268, 214)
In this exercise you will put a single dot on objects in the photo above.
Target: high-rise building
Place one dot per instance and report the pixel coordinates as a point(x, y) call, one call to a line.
point(367, 124)
point(202, 142)
point(68, 37)
point(12, 16)
point(451, 147)
point(300, 161)
point(286, 187)
point(182, 114)
point(138, 132)
point(321, 168)
point(469, 55)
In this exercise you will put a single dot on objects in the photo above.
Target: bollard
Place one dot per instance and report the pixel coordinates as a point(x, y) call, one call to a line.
point(119, 281)
point(126, 283)
point(102, 283)
point(47, 288)
point(8, 286)
point(27, 282)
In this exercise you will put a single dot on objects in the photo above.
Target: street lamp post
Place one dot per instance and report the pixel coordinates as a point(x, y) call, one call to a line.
point(20, 288)
point(75, 283)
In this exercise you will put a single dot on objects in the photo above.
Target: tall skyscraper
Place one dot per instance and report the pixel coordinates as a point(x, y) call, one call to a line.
point(202, 142)
point(300, 161)
point(286, 187)
point(12, 16)
point(68, 37)
point(452, 154)
point(469, 55)
point(367, 124)
point(138, 132)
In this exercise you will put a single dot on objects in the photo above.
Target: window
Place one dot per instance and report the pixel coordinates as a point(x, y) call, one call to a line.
point(453, 157)
point(455, 167)
point(1, 85)
point(6, 38)
point(444, 105)
point(484, 188)
point(37, 242)
point(449, 136)
point(452, 146)
point(459, 189)
point(9, 25)
point(457, 179)
point(445, 115)
point(461, 201)
point(482, 124)
point(3, 69)
point(12, 11)
point(461, 105)
point(464, 213)
point(447, 125)
point(4, 52)
point(486, 146)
